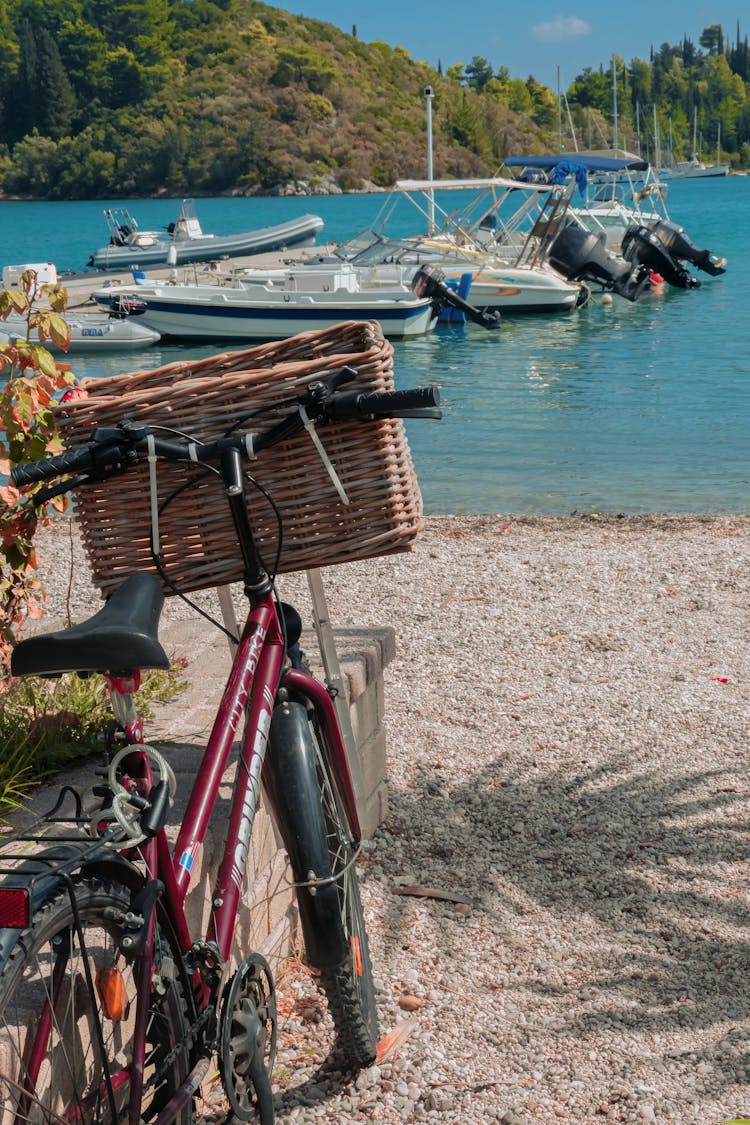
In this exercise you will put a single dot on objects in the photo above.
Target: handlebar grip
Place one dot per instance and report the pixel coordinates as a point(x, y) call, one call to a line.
point(386, 404)
point(71, 461)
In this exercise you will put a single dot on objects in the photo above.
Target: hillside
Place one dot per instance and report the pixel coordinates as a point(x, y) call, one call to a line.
point(139, 97)
point(213, 96)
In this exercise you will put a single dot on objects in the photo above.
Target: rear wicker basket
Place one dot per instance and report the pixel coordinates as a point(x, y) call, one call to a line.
point(205, 399)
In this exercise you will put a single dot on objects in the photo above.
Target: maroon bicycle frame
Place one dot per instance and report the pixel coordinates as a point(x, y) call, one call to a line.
point(258, 670)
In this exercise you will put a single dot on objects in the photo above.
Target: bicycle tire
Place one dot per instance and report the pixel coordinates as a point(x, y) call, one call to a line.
point(46, 963)
point(318, 842)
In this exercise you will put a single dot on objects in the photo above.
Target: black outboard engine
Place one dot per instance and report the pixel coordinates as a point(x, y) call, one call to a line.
point(580, 255)
point(678, 245)
point(123, 305)
point(643, 246)
point(429, 281)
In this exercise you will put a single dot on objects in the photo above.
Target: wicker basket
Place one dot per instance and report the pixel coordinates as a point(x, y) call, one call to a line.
point(205, 399)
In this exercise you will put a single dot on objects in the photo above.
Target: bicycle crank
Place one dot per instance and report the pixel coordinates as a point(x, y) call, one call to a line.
point(247, 1040)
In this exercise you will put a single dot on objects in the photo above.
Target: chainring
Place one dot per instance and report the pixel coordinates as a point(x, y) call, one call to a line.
point(247, 1040)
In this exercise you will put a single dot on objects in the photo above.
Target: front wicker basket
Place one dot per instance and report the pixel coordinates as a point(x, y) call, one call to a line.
point(205, 399)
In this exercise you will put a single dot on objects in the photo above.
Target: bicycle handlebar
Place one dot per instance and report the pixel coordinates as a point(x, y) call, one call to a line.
point(116, 448)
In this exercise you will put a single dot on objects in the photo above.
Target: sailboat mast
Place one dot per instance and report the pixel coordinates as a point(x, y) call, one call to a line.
point(614, 104)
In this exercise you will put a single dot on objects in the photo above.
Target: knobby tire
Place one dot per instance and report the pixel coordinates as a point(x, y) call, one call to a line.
point(315, 830)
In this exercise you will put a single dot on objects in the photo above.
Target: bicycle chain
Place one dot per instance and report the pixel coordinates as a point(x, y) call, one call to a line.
point(190, 1037)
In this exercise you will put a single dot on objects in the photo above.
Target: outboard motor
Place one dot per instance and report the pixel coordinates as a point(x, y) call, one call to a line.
point(641, 245)
point(580, 255)
point(679, 245)
point(429, 281)
point(123, 306)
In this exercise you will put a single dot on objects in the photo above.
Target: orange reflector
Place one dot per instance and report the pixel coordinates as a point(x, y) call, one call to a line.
point(111, 989)
point(14, 907)
point(357, 955)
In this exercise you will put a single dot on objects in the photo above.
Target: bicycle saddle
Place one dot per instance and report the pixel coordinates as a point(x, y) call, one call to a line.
point(121, 637)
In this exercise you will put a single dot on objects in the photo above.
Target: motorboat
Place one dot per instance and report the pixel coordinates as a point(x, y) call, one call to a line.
point(489, 229)
point(90, 332)
point(184, 240)
point(617, 189)
point(273, 310)
point(627, 221)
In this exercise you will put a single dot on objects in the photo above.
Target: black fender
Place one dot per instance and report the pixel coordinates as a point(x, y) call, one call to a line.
point(52, 869)
point(291, 784)
point(43, 874)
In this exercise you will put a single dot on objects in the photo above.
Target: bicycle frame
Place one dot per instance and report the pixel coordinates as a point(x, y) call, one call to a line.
point(251, 687)
point(256, 674)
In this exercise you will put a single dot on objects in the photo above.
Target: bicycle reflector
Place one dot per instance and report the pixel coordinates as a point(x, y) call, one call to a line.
point(14, 907)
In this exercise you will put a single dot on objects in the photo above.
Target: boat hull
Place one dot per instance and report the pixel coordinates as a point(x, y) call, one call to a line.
point(296, 232)
point(91, 332)
point(230, 315)
point(500, 287)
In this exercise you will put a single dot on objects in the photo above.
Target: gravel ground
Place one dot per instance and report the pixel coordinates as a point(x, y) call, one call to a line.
point(568, 712)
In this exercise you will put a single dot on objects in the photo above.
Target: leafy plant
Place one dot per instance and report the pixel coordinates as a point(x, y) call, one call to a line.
point(27, 433)
point(45, 725)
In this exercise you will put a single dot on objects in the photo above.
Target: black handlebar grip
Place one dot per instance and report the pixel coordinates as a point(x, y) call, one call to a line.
point(389, 404)
point(71, 461)
point(383, 404)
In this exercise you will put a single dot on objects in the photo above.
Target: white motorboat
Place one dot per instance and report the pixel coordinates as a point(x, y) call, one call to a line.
point(89, 332)
point(185, 241)
point(617, 189)
point(270, 310)
point(484, 228)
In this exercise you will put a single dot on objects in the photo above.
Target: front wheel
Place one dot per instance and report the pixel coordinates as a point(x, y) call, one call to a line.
point(310, 814)
point(68, 1010)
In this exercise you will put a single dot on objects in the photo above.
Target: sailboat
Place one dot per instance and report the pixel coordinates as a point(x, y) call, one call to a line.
point(695, 168)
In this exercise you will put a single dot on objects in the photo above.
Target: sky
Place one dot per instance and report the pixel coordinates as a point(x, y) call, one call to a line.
point(533, 38)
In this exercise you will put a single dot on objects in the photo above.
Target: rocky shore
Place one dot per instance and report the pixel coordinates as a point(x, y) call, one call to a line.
point(558, 899)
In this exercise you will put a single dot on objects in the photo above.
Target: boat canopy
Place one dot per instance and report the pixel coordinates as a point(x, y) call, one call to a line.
point(590, 161)
point(463, 185)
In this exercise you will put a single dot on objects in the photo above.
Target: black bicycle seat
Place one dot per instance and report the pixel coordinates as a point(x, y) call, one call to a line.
point(121, 637)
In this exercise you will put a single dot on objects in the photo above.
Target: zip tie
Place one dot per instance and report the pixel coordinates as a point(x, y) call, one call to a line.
point(249, 447)
point(151, 447)
point(310, 427)
point(193, 450)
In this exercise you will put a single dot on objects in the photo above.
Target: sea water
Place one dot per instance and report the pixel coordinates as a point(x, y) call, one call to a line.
point(614, 407)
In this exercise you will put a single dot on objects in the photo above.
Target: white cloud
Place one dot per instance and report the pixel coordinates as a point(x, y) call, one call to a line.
point(557, 30)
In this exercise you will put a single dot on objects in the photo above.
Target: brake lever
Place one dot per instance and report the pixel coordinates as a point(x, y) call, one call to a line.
point(59, 489)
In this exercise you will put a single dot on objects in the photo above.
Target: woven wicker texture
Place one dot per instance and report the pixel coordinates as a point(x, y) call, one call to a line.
point(208, 398)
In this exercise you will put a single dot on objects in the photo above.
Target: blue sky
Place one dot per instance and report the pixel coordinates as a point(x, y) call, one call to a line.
point(528, 38)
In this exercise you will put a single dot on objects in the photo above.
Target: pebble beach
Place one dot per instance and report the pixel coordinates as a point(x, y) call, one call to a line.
point(557, 901)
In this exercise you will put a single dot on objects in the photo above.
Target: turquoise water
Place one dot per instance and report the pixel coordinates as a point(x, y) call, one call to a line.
point(610, 408)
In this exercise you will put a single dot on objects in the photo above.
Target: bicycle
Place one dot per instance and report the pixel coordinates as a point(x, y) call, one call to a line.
point(110, 1008)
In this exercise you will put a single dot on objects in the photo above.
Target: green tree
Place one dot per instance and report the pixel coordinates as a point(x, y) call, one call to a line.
point(712, 39)
point(57, 101)
point(478, 73)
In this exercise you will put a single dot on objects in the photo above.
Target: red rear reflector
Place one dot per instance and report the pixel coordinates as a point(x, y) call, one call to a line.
point(14, 907)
